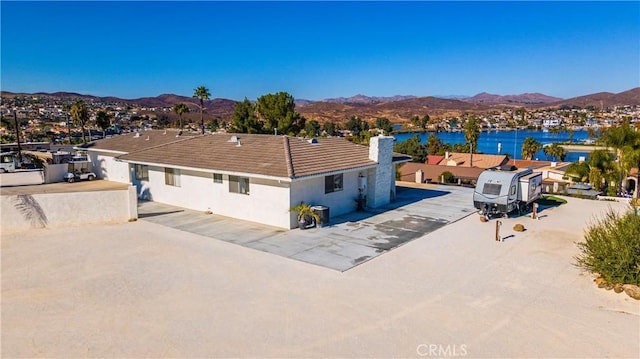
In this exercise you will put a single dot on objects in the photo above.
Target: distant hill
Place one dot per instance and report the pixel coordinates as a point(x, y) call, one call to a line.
point(362, 99)
point(525, 99)
point(603, 99)
point(398, 109)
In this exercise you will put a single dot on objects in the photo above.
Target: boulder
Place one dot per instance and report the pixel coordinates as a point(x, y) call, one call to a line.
point(618, 288)
point(483, 219)
point(599, 280)
point(632, 290)
point(518, 227)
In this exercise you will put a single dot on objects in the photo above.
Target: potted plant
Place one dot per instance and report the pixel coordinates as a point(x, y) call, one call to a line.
point(306, 215)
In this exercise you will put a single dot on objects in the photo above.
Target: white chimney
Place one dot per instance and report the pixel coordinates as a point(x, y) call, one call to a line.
point(419, 176)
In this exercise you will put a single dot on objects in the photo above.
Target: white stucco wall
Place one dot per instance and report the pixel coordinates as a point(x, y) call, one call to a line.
point(105, 166)
point(22, 212)
point(311, 191)
point(382, 182)
point(266, 203)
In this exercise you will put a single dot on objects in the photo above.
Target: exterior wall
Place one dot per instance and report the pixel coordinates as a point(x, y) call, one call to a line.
point(106, 167)
point(55, 173)
point(311, 191)
point(266, 203)
point(22, 178)
point(23, 212)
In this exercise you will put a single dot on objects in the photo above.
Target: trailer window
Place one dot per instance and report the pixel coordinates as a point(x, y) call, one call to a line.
point(491, 188)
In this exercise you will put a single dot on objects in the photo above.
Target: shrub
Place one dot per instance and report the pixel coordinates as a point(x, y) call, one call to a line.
point(447, 176)
point(612, 248)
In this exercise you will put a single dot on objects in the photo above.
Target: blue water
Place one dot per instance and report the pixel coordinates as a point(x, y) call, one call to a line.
point(511, 141)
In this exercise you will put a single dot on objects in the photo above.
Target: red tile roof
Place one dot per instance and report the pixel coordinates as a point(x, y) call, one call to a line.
point(433, 172)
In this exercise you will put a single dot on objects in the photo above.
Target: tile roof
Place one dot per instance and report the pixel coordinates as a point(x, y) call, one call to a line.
point(267, 155)
point(130, 143)
point(433, 172)
point(479, 160)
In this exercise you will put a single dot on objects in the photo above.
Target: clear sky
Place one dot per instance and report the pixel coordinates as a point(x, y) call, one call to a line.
point(317, 50)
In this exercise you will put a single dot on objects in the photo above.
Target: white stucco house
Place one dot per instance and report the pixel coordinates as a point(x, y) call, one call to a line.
point(251, 177)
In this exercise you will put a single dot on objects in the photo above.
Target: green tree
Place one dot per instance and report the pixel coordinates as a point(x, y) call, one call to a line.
point(529, 148)
point(201, 93)
point(434, 145)
point(312, 128)
point(279, 113)
point(619, 138)
point(331, 128)
point(471, 135)
point(103, 120)
point(244, 118)
point(80, 116)
point(384, 124)
point(180, 108)
point(413, 148)
point(555, 151)
point(598, 170)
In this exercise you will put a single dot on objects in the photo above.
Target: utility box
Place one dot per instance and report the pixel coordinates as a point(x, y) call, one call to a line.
point(323, 213)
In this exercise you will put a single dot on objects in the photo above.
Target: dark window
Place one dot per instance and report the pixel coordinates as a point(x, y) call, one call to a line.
point(172, 177)
point(491, 188)
point(217, 178)
point(238, 184)
point(333, 183)
point(142, 172)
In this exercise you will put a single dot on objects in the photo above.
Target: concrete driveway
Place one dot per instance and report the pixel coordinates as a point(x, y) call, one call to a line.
point(348, 241)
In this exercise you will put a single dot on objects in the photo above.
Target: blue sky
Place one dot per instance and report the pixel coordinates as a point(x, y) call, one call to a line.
point(317, 50)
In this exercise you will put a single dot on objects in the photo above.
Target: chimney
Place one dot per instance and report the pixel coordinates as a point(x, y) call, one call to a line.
point(382, 181)
point(419, 176)
point(446, 155)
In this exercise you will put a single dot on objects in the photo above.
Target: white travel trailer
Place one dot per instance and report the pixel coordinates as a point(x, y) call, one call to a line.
point(499, 191)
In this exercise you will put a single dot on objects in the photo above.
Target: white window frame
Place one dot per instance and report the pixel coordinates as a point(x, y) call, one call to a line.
point(172, 177)
point(240, 185)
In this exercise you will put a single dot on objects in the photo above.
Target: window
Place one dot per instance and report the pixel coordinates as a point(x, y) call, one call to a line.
point(491, 188)
point(513, 190)
point(172, 177)
point(333, 183)
point(142, 172)
point(239, 184)
point(217, 178)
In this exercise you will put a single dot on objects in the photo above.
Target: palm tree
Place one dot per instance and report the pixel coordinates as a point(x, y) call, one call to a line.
point(202, 93)
point(619, 138)
point(471, 135)
point(80, 115)
point(599, 168)
point(555, 151)
point(180, 108)
point(103, 120)
point(529, 148)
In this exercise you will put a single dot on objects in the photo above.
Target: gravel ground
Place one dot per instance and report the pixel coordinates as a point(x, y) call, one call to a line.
point(143, 290)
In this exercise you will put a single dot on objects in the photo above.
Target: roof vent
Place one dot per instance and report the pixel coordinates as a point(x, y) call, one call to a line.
point(136, 135)
point(147, 139)
point(234, 139)
point(313, 141)
point(238, 144)
point(179, 133)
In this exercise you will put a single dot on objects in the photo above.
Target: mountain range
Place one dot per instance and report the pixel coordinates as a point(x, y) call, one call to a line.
point(396, 108)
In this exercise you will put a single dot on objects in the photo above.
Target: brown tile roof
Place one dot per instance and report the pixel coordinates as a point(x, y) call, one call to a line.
point(479, 160)
point(433, 172)
point(130, 143)
point(268, 155)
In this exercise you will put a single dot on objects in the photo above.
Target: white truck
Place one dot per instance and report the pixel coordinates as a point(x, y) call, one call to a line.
point(8, 162)
point(501, 191)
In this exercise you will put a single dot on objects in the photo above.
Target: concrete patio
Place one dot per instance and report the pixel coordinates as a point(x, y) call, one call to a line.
point(346, 242)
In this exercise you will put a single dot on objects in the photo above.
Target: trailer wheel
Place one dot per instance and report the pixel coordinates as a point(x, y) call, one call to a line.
point(70, 180)
point(91, 178)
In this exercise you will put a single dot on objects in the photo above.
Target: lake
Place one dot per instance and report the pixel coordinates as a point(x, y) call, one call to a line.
point(510, 141)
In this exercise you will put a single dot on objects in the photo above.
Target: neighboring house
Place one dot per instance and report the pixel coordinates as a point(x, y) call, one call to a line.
point(477, 160)
point(552, 173)
point(423, 172)
point(251, 177)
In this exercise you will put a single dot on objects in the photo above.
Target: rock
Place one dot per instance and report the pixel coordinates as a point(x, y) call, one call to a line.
point(518, 227)
point(632, 290)
point(599, 280)
point(608, 286)
point(618, 288)
point(483, 219)
point(602, 284)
